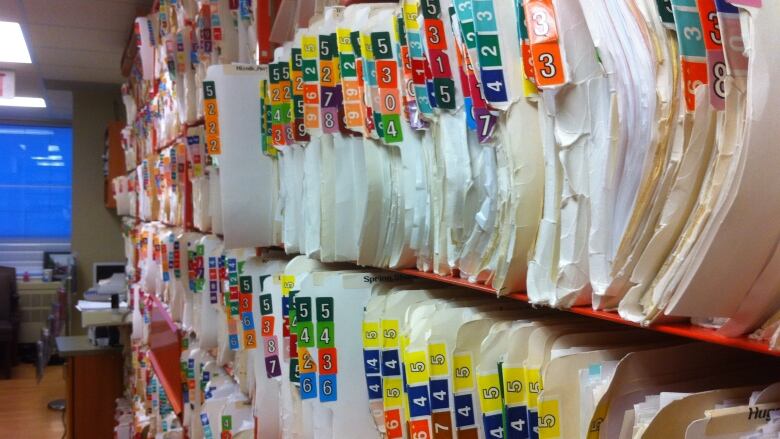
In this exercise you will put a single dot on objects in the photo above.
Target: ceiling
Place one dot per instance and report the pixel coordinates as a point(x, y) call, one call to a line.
point(74, 44)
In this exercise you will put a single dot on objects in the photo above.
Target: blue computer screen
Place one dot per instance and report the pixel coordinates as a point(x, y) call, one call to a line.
point(35, 181)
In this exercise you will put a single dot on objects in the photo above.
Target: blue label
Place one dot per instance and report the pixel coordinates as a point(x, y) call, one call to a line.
point(371, 361)
point(471, 123)
point(419, 401)
point(726, 7)
point(516, 422)
point(533, 424)
point(374, 384)
point(391, 363)
point(440, 394)
point(247, 320)
point(328, 388)
point(308, 385)
point(494, 426)
point(464, 411)
point(493, 85)
point(233, 338)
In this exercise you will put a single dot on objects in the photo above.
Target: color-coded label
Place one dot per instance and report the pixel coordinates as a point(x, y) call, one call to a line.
point(463, 379)
point(211, 118)
point(489, 388)
point(549, 427)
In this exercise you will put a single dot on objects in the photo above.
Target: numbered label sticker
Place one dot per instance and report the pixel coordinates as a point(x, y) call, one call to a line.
point(328, 388)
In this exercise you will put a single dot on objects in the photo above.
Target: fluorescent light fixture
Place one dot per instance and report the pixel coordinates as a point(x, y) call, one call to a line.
point(19, 101)
point(50, 164)
point(27, 131)
point(13, 49)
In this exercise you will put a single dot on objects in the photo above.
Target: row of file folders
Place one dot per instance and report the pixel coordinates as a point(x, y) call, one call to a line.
point(318, 350)
point(632, 179)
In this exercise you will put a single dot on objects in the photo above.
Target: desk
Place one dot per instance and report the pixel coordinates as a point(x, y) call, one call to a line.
point(94, 379)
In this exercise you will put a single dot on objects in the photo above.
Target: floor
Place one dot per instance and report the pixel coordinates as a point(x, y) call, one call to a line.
point(23, 411)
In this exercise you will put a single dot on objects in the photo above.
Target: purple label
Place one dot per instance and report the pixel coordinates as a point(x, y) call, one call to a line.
point(331, 97)
point(272, 367)
point(486, 124)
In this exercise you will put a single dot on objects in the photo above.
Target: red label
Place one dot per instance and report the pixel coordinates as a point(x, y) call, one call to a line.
point(420, 429)
point(267, 326)
point(393, 424)
point(328, 361)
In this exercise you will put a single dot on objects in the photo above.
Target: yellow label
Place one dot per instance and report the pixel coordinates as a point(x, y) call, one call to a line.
point(416, 367)
point(463, 372)
point(288, 283)
point(437, 360)
point(366, 49)
point(533, 381)
point(309, 47)
point(393, 388)
point(410, 16)
point(549, 425)
point(344, 40)
point(490, 393)
point(514, 389)
point(390, 336)
point(594, 428)
point(529, 88)
point(371, 335)
point(403, 345)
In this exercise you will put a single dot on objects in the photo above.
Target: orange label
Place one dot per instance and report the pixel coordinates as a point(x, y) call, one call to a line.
point(694, 75)
point(548, 64)
point(540, 21)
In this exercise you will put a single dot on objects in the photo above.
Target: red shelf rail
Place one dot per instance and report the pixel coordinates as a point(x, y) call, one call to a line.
point(685, 329)
point(165, 352)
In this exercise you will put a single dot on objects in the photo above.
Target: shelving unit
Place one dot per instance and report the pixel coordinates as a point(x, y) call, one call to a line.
point(684, 329)
point(165, 337)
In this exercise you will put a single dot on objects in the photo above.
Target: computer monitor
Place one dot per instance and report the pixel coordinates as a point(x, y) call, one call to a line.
point(104, 270)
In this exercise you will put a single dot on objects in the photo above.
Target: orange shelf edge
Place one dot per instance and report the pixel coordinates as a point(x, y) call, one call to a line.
point(686, 330)
point(165, 353)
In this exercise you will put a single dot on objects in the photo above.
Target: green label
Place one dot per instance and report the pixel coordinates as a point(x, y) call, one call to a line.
point(303, 309)
point(444, 89)
point(665, 11)
point(209, 90)
point(310, 73)
point(295, 374)
point(328, 46)
point(489, 54)
point(266, 305)
point(348, 69)
point(382, 45)
point(324, 309)
point(306, 334)
point(391, 128)
point(326, 336)
point(245, 283)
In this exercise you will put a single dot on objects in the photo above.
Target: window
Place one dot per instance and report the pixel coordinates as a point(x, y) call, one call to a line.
point(35, 194)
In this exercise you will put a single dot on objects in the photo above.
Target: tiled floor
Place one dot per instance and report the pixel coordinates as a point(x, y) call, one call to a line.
point(23, 411)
